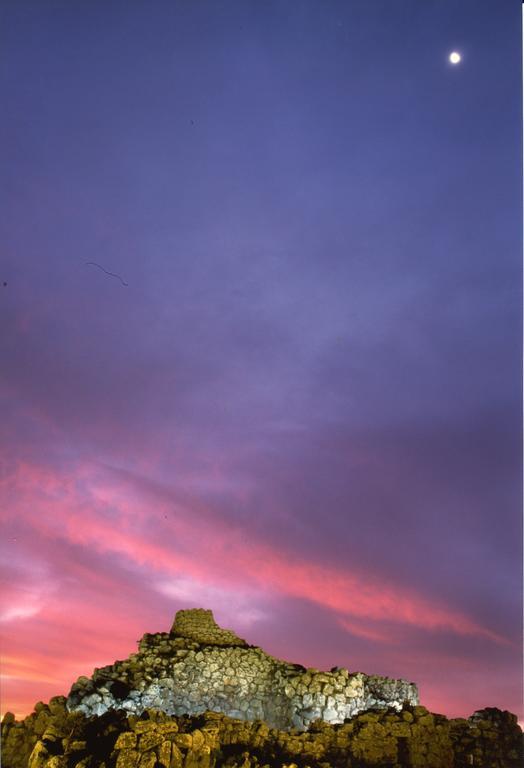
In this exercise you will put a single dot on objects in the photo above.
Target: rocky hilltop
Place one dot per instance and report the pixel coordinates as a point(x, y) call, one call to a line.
point(201, 697)
point(198, 666)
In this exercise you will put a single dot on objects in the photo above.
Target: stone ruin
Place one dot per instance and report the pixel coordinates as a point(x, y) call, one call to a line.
point(199, 666)
point(201, 697)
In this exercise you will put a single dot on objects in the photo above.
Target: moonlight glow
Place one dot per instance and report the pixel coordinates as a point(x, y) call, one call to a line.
point(455, 57)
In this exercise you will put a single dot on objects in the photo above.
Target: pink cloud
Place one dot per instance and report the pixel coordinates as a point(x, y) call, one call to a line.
point(79, 615)
point(365, 631)
point(97, 514)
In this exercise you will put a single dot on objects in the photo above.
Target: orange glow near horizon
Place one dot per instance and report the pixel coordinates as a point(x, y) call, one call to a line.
point(100, 516)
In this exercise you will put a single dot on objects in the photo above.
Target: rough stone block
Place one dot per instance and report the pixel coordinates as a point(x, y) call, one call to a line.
point(57, 761)
point(126, 740)
point(38, 756)
point(77, 746)
point(183, 740)
point(150, 740)
point(170, 727)
point(127, 758)
point(428, 720)
point(148, 760)
point(143, 726)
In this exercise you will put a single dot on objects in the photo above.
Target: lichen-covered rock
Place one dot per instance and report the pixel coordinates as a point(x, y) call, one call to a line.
point(126, 740)
point(127, 758)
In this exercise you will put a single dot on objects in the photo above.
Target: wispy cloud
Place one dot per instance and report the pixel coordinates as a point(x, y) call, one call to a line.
point(105, 517)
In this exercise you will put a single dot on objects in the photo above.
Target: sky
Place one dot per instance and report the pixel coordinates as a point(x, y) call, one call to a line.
point(294, 394)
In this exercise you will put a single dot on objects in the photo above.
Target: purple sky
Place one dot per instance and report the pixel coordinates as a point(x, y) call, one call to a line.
point(304, 409)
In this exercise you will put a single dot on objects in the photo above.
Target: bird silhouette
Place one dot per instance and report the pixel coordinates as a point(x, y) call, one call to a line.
point(112, 274)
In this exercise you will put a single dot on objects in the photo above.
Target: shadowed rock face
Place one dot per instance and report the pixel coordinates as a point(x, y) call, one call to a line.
point(198, 666)
point(413, 738)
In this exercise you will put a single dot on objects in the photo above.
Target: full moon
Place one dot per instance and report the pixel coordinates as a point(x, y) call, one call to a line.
point(455, 57)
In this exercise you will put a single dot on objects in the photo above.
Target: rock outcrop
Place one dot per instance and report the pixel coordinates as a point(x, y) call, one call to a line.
point(198, 666)
point(53, 737)
point(201, 697)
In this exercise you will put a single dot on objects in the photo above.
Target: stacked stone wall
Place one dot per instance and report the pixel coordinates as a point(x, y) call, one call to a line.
point(197, 667)
point(198, 624)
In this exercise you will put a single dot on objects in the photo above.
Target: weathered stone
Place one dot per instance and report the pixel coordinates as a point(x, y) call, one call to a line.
point(143, 726)
point(368, 717)
point(183, 740)
point(150, 740)
point(198, 739)
point(148, 760)
point(177, 758)
point(245, 683)
point(8, 719)
point(39, 756)
point(164, 754)
point(51, 733)
point(57, 761)
point(170, 727)
point(240, 681)
point(127, 758)
point(200, 758)
point(427, 720)
point(57, 704)
point(40, 724)
point(77, 746)
point(198, 624)
point(126, 740)
point(399, 729)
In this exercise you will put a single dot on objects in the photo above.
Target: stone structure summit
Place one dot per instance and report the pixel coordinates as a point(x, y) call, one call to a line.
point(199, 625)
point(199, 696)
point(198, 667)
